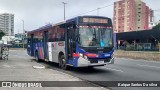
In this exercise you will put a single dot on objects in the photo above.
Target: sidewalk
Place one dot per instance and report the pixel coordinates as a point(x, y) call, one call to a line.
point(19, 67)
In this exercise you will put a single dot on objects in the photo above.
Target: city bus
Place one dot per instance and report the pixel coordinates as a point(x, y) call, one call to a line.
point(83, 41)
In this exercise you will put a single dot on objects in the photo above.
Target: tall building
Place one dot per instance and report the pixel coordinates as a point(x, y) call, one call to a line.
point(7, 23)
point(131, 15)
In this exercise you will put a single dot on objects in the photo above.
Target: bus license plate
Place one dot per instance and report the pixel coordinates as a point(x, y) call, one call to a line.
point(100, 62)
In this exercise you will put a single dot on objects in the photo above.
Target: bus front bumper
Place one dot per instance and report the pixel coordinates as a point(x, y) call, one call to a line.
point(94, 62)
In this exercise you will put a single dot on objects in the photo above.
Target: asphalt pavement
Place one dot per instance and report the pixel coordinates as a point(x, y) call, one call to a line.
point(21, 68)
point(124, 69)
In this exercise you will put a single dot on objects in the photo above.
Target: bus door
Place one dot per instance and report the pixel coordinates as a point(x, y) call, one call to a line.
point(71, 41)
point(45, 47)
point(31, 45)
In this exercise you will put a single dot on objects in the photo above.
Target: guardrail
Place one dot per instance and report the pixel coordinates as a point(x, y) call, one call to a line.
point(139, 47)
point(17, 46)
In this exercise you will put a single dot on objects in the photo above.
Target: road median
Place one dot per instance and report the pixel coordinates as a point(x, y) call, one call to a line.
point(150, 56)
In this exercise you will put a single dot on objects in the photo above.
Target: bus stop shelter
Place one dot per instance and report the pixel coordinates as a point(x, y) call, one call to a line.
point(146, 39)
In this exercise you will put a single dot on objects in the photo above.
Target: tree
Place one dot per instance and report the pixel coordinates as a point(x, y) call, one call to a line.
point(1, 34)
point(157, 27)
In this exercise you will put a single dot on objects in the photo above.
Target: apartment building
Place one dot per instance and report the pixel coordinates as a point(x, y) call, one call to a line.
point(7, 23)
point(131, 15)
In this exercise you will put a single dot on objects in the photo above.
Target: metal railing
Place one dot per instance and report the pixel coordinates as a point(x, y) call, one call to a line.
point(139, 47)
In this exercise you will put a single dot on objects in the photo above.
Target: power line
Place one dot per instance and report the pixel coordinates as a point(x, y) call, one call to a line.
point(83, 13)
point(97, 9)
point(106, 6)
point(156, 10)
point(92, 10)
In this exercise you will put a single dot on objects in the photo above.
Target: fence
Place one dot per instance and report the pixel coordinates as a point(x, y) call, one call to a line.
point(140, 47)
point(18, 46)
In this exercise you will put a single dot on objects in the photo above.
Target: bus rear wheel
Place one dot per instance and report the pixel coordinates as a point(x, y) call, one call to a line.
point(63, 63)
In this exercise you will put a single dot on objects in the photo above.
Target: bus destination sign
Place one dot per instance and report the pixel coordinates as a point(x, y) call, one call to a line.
point(94, 20)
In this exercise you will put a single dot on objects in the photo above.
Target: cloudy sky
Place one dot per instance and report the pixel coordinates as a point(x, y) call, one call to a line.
point(37, 13)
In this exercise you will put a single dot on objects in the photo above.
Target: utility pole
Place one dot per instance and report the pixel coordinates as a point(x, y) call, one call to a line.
point(23, 34)
point(23, 25)
point(158, 42)
point(159, 45)
point(64, 10)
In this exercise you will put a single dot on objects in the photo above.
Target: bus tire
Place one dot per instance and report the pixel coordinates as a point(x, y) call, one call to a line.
point(90, 67)
point(63, 62)
point(37, 57)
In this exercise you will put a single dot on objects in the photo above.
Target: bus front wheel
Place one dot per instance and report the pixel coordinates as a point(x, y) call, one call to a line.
point(63, 63)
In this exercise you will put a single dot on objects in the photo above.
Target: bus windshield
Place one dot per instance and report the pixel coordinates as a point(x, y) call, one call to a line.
point(95, 37)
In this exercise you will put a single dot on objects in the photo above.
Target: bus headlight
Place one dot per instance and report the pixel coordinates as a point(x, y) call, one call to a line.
point(81, 54)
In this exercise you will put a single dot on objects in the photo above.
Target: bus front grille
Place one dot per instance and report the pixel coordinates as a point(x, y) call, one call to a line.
point(96, 60)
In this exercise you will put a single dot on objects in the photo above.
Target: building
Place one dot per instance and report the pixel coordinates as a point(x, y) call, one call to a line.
point(131, 15)
point(7, 23)
point(139, 40)
point(20, 36)
point(8, 39)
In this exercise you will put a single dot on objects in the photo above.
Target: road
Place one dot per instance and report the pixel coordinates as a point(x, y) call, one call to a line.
point(124, 69)
point(21, 67)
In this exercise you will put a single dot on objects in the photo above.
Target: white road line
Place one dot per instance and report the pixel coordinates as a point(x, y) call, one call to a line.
point(148, 66)
point(8, 66)
point(115, 69)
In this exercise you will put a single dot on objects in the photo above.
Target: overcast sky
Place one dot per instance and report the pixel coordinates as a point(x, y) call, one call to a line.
point(37, 13)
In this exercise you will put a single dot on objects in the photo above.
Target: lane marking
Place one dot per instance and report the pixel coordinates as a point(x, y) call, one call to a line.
point(148, 66)
point(115, 69)
point(7, 66)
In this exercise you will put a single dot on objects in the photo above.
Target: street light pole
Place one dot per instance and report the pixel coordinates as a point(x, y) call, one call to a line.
point(23, 34)
point(64, 10)
point(23, 25)
point(159, 45)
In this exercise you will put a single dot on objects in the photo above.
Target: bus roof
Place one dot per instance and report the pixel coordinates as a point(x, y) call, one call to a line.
point(72, 19)
point(62, 22)
point(41, 28)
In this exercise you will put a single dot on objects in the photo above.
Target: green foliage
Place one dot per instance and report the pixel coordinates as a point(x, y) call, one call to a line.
point(157, 27)
point(1, 34)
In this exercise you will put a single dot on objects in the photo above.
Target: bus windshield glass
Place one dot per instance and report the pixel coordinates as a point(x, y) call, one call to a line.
point(95, 37)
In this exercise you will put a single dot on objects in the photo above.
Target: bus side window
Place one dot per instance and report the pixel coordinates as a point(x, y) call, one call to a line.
point(72, 37)
point(61, 38)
